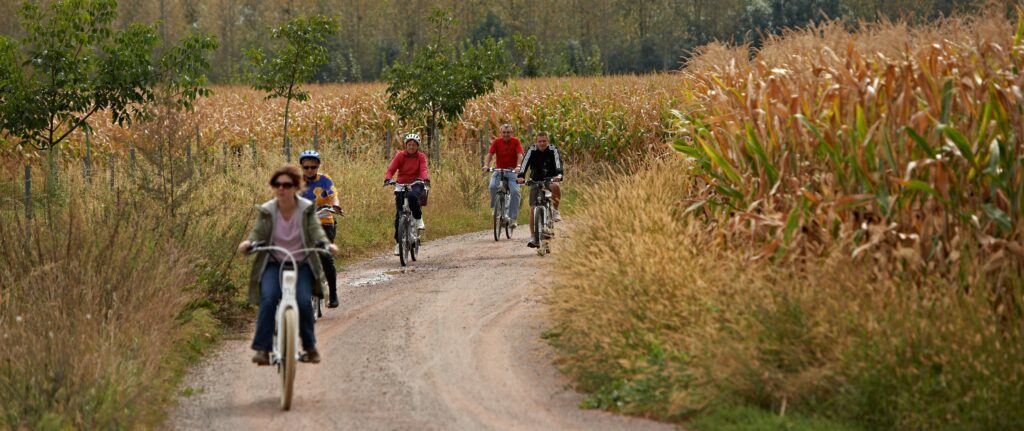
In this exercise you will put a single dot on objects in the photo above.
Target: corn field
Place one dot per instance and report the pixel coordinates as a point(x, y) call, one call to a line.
point(605, 117)
point(902, 139)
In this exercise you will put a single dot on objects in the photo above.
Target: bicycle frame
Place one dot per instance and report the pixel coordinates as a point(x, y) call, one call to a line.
point(502, 200)
point(411, 237)
point(543, 201)
point(289, 278)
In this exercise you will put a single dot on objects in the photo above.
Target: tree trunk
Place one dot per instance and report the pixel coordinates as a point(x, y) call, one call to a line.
point(287, 147)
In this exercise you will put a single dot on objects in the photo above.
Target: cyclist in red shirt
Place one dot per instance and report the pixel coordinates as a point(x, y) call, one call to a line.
point(507, 152)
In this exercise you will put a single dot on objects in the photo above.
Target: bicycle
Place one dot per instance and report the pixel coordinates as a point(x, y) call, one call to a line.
point(543, 225)
point(408, 238)
point(502, 201)
point(318, 303)
point(285, 353)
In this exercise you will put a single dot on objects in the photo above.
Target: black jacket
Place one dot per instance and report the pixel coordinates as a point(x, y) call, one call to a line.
point(542, 164)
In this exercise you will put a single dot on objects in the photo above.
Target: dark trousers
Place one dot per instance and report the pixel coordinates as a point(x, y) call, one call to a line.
point(327, 260)
point(414, 204)
point(270, 296)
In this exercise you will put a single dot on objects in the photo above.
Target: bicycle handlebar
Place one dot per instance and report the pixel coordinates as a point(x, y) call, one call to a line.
point(393, 182)
point(258, 246)
point(327, 210)
point(545, 181)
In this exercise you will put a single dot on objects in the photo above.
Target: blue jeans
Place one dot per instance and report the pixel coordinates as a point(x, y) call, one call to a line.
point(513, 188)
point(270, 296)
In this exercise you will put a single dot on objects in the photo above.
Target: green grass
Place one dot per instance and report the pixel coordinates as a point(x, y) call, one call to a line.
point(753, 419)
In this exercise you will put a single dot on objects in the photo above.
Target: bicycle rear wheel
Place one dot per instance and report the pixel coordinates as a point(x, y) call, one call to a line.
point(288, 356)
point(508, 227)
point(414, 245)
point(538, 229)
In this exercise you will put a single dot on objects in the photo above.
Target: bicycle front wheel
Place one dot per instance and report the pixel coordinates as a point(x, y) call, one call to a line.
point(288, 356)
point(498, 211)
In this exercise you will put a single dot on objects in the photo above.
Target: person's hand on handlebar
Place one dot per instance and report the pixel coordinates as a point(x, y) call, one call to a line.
point(389, 182)
point(556, 179)
point(520, 180)
point(333, 249)
point(244, 246)
point(487, 169)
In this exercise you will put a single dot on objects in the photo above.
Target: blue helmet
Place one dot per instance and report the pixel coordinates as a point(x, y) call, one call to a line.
point(309, 154)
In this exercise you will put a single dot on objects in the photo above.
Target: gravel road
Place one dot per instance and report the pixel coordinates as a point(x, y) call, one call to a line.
point(450, 343)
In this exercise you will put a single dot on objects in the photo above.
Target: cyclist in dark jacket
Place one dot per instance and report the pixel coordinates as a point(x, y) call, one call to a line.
point(543, 161)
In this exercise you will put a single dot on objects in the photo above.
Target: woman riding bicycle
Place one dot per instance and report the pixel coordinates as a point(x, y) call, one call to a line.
point(409, 165)
point(290, 222)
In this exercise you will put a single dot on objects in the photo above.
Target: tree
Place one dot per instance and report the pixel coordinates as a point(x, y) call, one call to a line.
point(71, 64)
point(439, 80)
point(302, 53)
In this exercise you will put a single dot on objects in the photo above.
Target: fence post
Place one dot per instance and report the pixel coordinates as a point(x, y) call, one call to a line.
point(28, 192)
point(316, 139)
point(131, 169)
point(252, 145)
point(224, 150)
point(188, 156)
point(483, 147)
point(529, 132)
point(88, 158)
point(287, 150)
point(387, 149)
point(110, 169)
point(344, 140)
point(437, 147)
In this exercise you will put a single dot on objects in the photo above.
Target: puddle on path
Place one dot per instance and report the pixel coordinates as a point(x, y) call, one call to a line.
point(377, 277)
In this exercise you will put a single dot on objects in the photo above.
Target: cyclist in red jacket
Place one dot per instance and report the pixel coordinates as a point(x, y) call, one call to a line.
point(408, 166)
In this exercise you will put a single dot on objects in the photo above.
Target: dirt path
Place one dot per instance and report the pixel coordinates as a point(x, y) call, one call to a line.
point(453, 343)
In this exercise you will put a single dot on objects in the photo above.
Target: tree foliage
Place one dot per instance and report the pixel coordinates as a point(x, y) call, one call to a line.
point(71, 64)
point(632, 36)
point(435, 86)
point(300, 53)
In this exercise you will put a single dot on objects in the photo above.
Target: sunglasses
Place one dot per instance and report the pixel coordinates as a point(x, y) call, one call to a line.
point(285, 186)
point(310, 168)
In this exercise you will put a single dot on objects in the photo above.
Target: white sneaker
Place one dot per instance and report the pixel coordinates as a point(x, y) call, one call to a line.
point(555, 216)
point(420, 225)
point(396, 250)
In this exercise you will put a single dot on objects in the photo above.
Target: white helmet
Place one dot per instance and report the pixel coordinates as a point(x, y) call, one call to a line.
point(411, 137)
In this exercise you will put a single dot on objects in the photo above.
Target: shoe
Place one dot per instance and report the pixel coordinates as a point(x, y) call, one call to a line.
point(513, 225)
point(420, 225)
point(333, 303)
point(555, 215)
point(310, 357)
point(531, 244)
point(396, 250)
point(262, 357)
